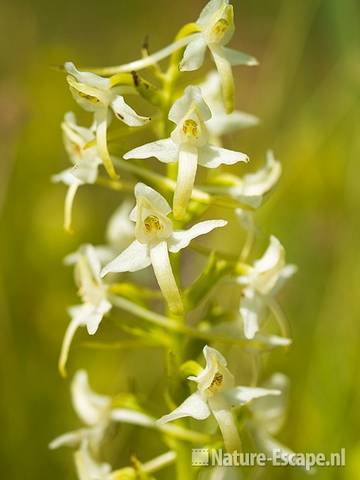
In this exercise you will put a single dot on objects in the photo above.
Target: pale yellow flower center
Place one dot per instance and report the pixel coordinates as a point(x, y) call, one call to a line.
point(191, 129)
point(219, 29)
point(152, 224)
point(216, 382)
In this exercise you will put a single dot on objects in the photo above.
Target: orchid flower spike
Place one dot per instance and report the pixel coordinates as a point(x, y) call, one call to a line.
point(188, 146)
point(154, 239)
point(217, 395)
point(262, 283)
point(93, 293)
point(222, 123)
point(98, 95)
point(216, 25)
point(251, 188)
point(85, 162)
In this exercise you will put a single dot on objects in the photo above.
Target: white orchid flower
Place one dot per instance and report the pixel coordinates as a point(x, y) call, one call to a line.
point(85, 162)
point(216, 25)
point(262, 283)
point(154, 239)
point(188, 145)
point(268, 416)
point(97, 94)
point(221, 122)
point(93, 292)
point(96, 413)
point(217, 395)
point(93, 409)
point(251, 188)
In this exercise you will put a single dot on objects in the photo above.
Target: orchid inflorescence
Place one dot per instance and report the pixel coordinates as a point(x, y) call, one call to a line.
point(151, 229)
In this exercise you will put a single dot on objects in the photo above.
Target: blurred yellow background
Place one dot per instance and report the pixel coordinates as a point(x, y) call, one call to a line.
point(306, 92)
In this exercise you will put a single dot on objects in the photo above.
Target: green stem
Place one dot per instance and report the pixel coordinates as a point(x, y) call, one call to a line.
point(170, 324)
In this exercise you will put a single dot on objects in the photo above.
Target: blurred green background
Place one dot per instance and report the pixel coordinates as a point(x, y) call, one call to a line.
point(306, 91)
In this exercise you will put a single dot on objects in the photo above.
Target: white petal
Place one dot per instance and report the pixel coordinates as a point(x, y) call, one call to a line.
point(87, 78)
point(192, 99)
point(89, 406)
point(120, 230)
point(188, 161)
point(92, 258)
point(164, 150)
point(213, 157)
point(251, 310)
point(242, 395)
point(126, 114)
point(164, 275)
point(153, 197)
point(260, 182)
point(134, 258)
point(133, 417)
point(238, 58)
point(78, 319)
point(194, 55)
point(94, 318)
point(69, 439)
point(221, 410)
point(181, 238)
point(209, 10)
point(222, 124)
point(226, 75)
point(194, 406)
point(101, 117)
point(67, 177)
point(87, 468)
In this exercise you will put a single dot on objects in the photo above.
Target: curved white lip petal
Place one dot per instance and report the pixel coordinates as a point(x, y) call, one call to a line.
point(89, 406)
point(194, 55)
point(78, 319)
point(194, 406)
point(164, 275)
point(212, 157)
point(181, 238)
point(188, 161)
point(126, 114)
point(220, 408)
point(134, 258)
point(164, 150)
